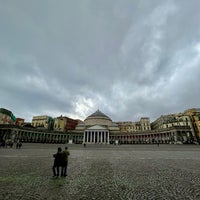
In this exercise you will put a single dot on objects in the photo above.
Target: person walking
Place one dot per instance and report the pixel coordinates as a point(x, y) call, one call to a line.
point(65, 153)
point(58, 161)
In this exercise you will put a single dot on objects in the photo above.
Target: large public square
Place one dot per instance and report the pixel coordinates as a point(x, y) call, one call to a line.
point(101, 172)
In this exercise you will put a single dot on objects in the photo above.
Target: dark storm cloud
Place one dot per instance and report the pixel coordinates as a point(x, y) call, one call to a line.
point(130, 59)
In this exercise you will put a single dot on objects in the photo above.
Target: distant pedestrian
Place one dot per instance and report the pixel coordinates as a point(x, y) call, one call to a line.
point(58, 161)
point(65, 153)
point(18, 145)
point(84, 145)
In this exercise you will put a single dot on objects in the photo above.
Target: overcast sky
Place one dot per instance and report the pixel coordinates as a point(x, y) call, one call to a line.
point(128, 58)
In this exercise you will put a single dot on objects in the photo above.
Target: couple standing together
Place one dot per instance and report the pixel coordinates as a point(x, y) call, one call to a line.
point(61, 160)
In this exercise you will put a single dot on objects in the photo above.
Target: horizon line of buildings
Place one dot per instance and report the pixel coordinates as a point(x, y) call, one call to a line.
point(125, 131)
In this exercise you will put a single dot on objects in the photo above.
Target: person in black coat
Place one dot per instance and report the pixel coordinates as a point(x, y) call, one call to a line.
point(65, 162)
point(58, 162)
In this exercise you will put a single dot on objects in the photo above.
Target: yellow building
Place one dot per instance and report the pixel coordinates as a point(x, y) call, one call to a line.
point(130, 127)
point(145, 124)
point(196, 123)
point(194, 114)
point(60, 123)
point(40, 121)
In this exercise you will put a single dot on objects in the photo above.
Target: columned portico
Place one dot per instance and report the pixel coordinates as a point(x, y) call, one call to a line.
point(96, 135)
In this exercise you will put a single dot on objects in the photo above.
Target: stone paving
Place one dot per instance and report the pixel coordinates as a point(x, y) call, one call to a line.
point(102, 172)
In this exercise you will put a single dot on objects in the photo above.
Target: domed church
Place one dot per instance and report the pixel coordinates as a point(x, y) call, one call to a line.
point(97, 128)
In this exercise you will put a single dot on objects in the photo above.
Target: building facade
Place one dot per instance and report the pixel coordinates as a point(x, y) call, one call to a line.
point(98, 128)
point(40, 121)
point(19, 121)
point(194, 114)
point(133, 127)
point(174, 121)
point(64, 124)
point(6, 116)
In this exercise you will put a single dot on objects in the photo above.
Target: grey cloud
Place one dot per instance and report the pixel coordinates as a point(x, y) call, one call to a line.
point(127, 58)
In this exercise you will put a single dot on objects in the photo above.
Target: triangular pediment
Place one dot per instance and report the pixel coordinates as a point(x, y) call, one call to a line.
point(97, 127)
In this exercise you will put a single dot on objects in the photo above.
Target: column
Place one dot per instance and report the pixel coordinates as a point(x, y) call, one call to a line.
point(101, 136)
point(84, 137)
point(176, 136)
point(97, 136)
point(108, 138)
point(94, 137)
point(87, 137)
point(91, 136)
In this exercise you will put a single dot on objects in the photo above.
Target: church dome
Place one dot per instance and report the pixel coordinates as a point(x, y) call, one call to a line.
point(98, 118)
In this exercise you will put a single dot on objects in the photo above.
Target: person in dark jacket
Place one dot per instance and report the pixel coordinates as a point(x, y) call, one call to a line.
point(58, 162)
point(65, 162)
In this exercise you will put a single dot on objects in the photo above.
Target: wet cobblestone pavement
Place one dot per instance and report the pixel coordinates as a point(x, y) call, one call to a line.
point(102, 172)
